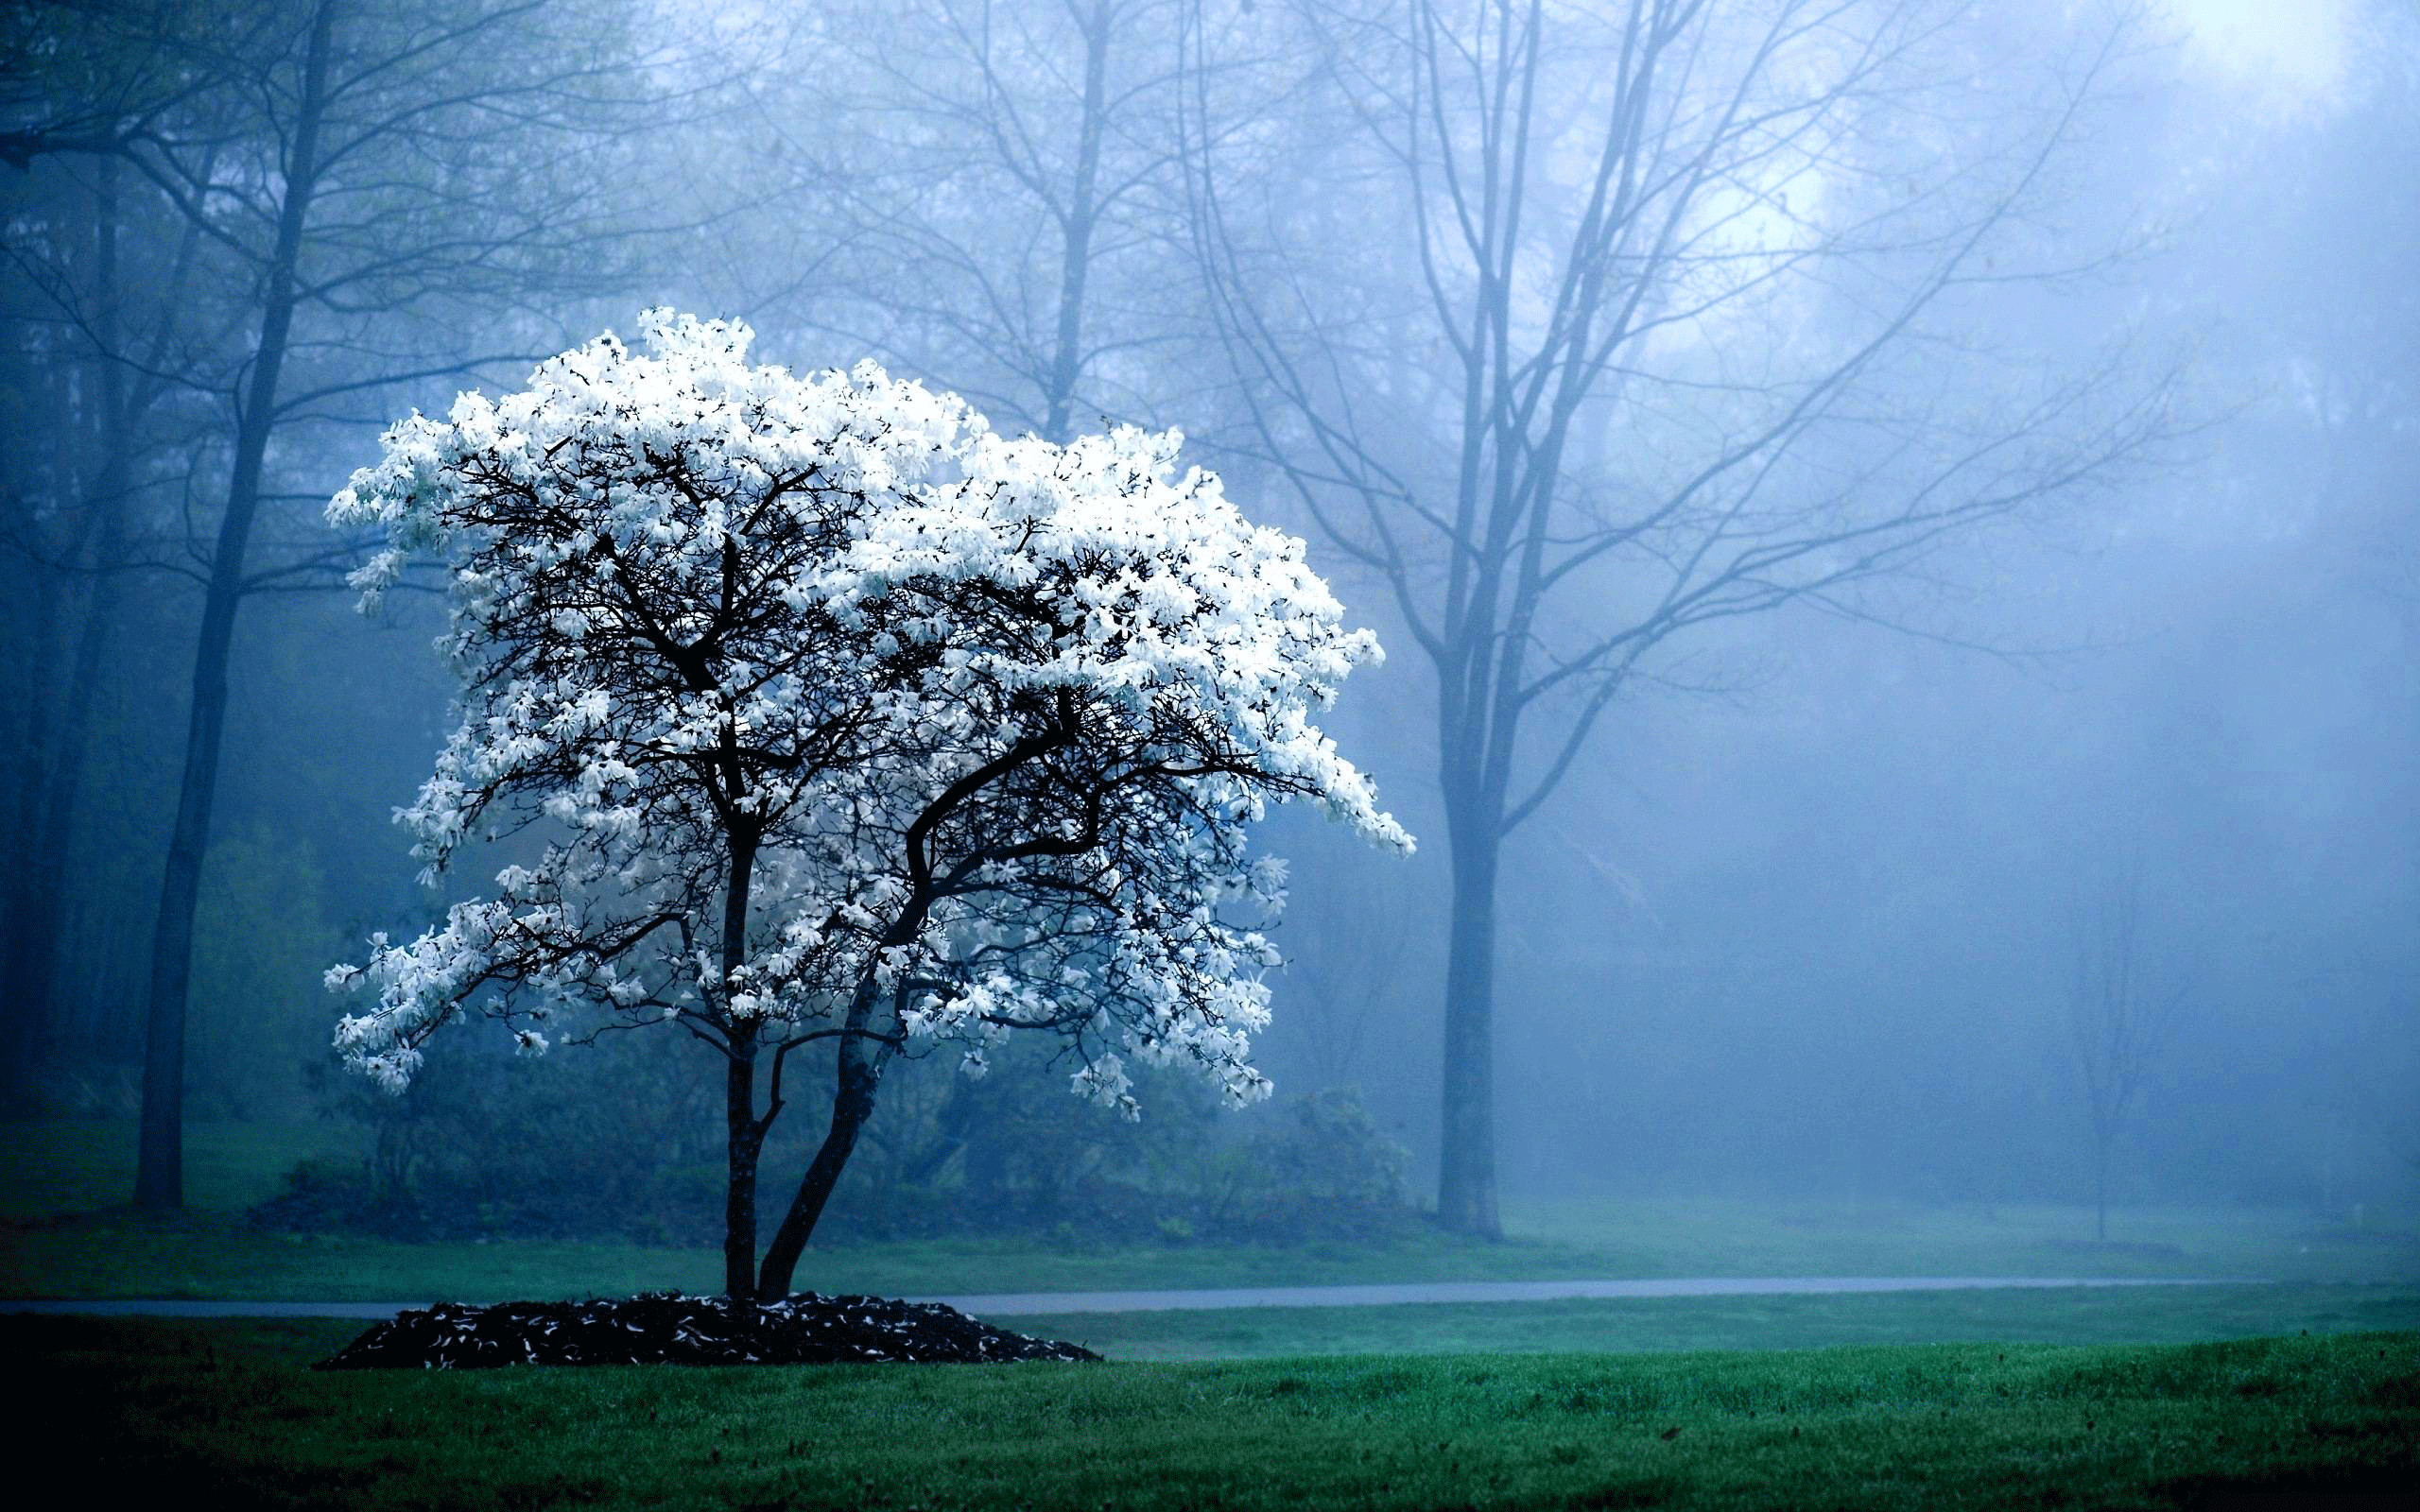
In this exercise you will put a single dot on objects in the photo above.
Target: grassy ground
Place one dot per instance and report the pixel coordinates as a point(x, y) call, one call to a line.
point(2134, 1315)
point(158, 1408)
point(56, 1167)
point(65, 1232)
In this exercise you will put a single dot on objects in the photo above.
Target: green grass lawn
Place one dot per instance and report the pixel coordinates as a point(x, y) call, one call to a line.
point(154, 1407)
point(1627, 1326)
point(67, 1233)
point(54, 1167)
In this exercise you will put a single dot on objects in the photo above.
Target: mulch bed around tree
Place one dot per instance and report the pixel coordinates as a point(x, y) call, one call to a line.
point(667, 1328)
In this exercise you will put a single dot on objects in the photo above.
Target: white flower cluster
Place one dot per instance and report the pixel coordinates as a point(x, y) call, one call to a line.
point(973, 725)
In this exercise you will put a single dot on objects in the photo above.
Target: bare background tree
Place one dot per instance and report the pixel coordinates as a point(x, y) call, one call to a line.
point(383, 192)
point(1663, 273)
point(1578, 337)
point(2118, 1020)
point(986, 189)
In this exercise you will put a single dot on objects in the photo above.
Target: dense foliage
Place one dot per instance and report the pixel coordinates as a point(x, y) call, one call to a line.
point(822, 714)
point(949, 1157)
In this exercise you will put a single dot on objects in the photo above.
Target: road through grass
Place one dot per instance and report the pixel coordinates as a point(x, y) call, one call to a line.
point(168, 1408)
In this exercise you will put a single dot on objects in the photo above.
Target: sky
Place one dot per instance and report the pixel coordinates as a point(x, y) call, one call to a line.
point(2288, 50)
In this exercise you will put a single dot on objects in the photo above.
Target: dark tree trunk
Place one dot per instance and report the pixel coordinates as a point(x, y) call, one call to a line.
point(852, 1105)
point(45, 863)
point(858, 1073)
point(30, 769)
point(1466, 1156)
point(744, 1133)
point(159, 1180)
point(25, 780)
point(743, 1141)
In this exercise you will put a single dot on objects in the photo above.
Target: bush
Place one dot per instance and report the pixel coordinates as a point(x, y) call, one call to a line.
point(626, 1141)
point(633, 1151)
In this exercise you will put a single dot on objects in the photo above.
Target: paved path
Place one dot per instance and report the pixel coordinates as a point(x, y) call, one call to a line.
point(1014, 1304)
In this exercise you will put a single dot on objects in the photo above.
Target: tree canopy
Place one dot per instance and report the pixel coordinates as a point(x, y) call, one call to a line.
point(824, 713)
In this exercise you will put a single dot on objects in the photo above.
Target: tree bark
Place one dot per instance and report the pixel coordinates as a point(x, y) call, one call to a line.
point(30, 771)
point(744, 1132)
point(860, 1062)
point(45, 865)
point(860, 1073)
point(159, 1180)
point(25, 781)
point(1466, 1155)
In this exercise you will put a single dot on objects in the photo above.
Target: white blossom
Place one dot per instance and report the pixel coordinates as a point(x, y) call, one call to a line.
point(987, 719)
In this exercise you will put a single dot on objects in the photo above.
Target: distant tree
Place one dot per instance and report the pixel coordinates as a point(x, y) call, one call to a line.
point(102, 320)
point(2347, 343)
point(108, 318)
point(1588, 329)
point(2117, 1022)
point(988, 190)
point(824, 714)
point(1345, 966)
point(382, 190)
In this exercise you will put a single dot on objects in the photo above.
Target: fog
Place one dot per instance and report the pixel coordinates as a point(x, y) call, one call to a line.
point(1829, 895)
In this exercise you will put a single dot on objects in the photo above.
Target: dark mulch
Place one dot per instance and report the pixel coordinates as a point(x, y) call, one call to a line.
point(667, 1328)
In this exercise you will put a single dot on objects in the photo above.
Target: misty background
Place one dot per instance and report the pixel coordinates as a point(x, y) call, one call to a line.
point(1813, 911)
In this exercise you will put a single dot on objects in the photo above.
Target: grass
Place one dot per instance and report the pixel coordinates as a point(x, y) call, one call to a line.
point(2082, 1397)
point(56, 1167)
point(1827, 1237)
point(158, 1408)
point(66, 1233)
point(1629, 1326)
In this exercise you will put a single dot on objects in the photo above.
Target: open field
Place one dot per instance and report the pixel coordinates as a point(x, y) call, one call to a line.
point(2065, 1315)
point(160, 1406)
point(68, 1234)
point(2091, 1397)
point(204, 1254)
point(56, 1167)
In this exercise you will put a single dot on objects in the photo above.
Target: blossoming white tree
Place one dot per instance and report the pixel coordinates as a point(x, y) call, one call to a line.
point(824, 714)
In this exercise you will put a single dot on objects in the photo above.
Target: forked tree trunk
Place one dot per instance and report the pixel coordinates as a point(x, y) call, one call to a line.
point(159, 1180)
point(863, 1051)
point(860, 1066)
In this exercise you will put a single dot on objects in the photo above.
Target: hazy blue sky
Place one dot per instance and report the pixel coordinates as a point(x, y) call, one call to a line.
point(2292, 48)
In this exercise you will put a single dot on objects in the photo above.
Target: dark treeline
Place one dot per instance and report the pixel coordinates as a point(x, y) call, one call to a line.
point(1896, 526)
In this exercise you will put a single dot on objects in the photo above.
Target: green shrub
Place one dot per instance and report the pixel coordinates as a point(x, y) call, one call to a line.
point(628, 1145)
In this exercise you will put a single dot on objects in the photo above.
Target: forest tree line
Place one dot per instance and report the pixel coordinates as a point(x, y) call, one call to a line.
point(1574, 337)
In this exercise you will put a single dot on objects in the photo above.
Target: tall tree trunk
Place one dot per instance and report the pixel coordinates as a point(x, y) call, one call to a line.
point(744, 1133)
point(29, 769)
point(25, 780)
point(46, 860)
point(1466, 1156)
point(1076, 236)
point(159, 1180)
point(859, 1069)
point(860, 1073)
